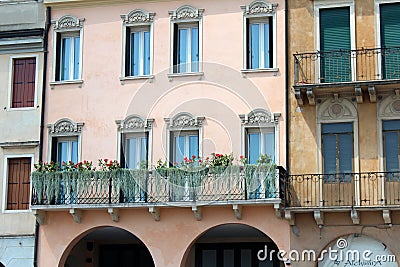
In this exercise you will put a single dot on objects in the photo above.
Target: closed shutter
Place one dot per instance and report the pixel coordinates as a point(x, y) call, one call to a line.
point(391, 138)
point(390, 38)
point(19, 171)
point(335, 44)
point(23, 89)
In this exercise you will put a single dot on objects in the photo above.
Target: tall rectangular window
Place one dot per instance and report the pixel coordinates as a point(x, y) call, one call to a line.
point(135, 150)
point(391, 139)
point(68, 56)
point(138, 51)
point(260, 142)
point(18, 183)
point(23, 82)
point(260, 44)
point(184, 144)
point(337, 142)
point(186, 47)
point(65, 149)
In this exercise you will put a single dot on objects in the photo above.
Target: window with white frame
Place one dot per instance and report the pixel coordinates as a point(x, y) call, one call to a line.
point(186, 24)
point(23, 82)
point(64, 141)
point(185, 144)
point(137, 32)
point(391, 140)
point(67, 62)
point(259, 32)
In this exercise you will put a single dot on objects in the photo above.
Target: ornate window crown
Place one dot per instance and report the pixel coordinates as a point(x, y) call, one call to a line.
point(68, 22)
point(184, 120)
point(390, 106)
point(186, 13)
point(137, 17)
point(333, 109)
point(134, 123)
point(65, 127)
point(259, 117)
point(259, 8)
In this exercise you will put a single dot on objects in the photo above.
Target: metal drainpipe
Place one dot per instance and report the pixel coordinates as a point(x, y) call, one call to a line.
point(287, 89)
point(44, 81)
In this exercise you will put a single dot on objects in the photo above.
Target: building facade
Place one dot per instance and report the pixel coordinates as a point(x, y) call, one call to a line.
point(345, 120)
point(21, 72)
point(155, 84)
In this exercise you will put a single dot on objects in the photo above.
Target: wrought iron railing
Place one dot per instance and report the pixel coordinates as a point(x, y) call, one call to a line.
point(343, 189)
point(347, 66)
point(158, 186)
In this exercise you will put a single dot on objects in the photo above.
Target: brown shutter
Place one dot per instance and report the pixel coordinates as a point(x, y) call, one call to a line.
point(19, 171)
point(23, 89)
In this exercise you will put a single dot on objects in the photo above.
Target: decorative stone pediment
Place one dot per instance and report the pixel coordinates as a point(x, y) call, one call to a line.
point(259, 8)
point(258, 117)
point(134, 123)
point(390, 106)
point(186, 13)
point(184, 120)
point(335, 109)
point(65, 127)
point(68, 22)
point(138, 16)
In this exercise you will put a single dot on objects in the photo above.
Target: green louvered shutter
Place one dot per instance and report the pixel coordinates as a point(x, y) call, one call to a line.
point(390, 39)
point(335, 44)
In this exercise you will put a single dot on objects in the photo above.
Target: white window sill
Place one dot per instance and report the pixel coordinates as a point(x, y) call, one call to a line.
point(22, 109)
point(16, 211)
point(132, 78)
point(246, 71)
point(57, 83)
point(185, 74)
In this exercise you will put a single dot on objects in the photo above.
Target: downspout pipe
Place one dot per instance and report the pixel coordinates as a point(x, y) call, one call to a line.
point(287, 90)
point(44, 82)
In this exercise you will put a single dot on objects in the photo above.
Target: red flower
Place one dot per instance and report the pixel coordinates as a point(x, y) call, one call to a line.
point(241, 157)
point(200, 161)
point(207, 158)
point(185, 159)
point(84, 161)
point(105, 160)
point(176, 163)
point(194, 156)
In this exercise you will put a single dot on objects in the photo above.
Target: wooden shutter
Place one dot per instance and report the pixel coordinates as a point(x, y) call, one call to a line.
point(128, 61)
point(176, 48)
point(335, 36)
point(23, 88)
point(19, 171)
point(58, 57)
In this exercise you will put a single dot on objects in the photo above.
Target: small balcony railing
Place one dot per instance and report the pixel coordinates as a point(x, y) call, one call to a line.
point(343, 190)
point(160, 187)
point(347, 66)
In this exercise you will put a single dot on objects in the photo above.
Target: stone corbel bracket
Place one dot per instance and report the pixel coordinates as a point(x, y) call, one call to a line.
point(237, 210)
point(76, 215)
point(40, 216)
point(197, 211)
point(155, 212)
point(114, 213)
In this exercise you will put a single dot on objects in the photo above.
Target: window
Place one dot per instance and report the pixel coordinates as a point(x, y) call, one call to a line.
point(135, 149)
point(23, 82)
point(67, 64)
point(391, 139)
point(67, 149)
point(337, 146)
point(184, 144)
point(260, 141)
point(18, 183)
point(186, 48)
point(138, 51)
point(260, 44)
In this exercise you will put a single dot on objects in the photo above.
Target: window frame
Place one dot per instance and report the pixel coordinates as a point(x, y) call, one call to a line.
point(138, 136)
point(184, 16)
point(384, 144)
point(186, 134)
point(69, 140)
point(11, 78)
point(5, 181)
point(262, 146)
point(71, 60)
point(66, 26)
point(136, 19)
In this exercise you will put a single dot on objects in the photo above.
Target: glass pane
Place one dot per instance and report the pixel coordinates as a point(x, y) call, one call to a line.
point(131, 153)
point(392, 152)
point(193, 145)
point(329, 153)
point(77, 57)
point(245, 259)
point(195, 50)
point(143, 150)
point(65, 58)
point(182, 50)
point(209, 258)
point(269, 145)
point(179, 149)
point(254, 46)
point(391, 125)
point(229, 258)
point(62, 152)
point(266, 46)
point(337, 128)
point(146, 61)
point(345, 153)
point(74, 152)
point(135, 41)
point(254, 148)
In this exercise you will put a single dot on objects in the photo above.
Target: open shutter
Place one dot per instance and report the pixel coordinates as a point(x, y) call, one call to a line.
point(58, 57)
point(390, 38)
point(128, 52)
point(176, 48)
point(54, 149)
point(335, 44)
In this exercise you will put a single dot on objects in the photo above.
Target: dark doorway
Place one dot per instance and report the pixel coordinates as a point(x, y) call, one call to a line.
point(125, 256)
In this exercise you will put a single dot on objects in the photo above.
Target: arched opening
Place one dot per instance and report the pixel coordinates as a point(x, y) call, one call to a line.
point(232, 245)
point(109, 246)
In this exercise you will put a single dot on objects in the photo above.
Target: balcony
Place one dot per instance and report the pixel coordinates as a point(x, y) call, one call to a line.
point(252, 184)
point(345, 71)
